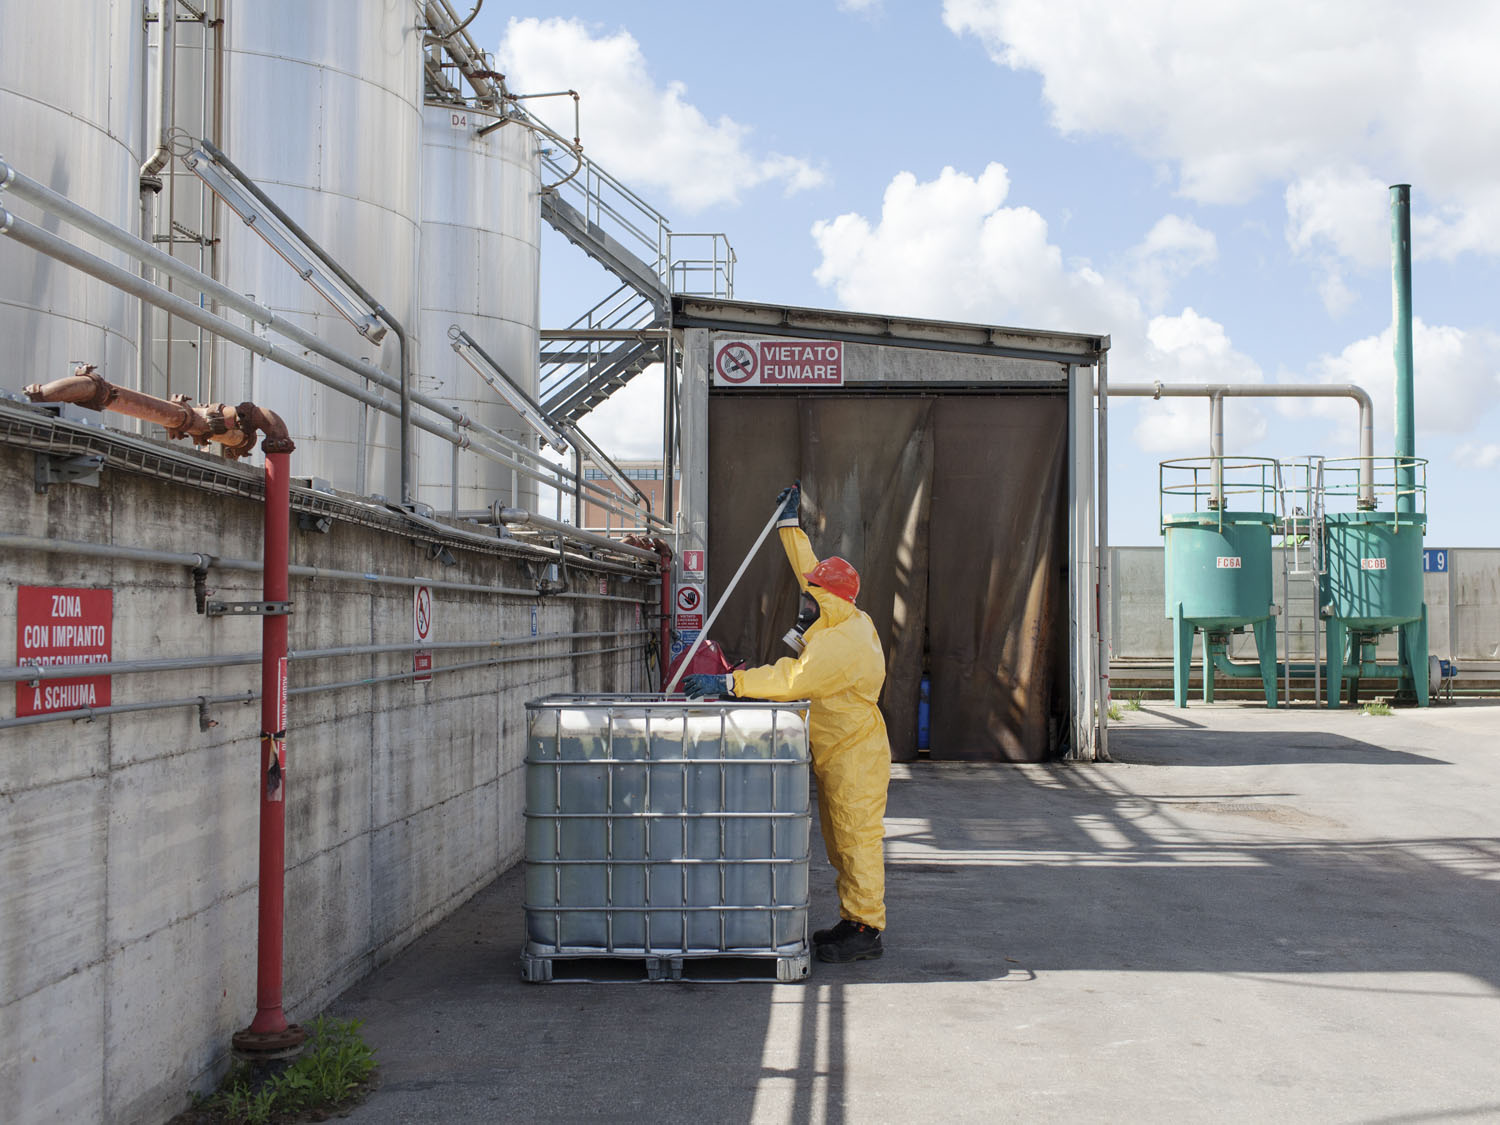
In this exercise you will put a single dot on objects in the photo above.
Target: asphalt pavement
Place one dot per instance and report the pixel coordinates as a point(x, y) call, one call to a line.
point(1250, 915)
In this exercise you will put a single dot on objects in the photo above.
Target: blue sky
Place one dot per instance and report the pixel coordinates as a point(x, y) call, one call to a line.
point(1205, 183)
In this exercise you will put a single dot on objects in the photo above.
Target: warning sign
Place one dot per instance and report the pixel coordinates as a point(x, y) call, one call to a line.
point(421, 633)
point(689, 599)
point(778, 363)
point(689, 621)
point(692, 563)
point(56, 626)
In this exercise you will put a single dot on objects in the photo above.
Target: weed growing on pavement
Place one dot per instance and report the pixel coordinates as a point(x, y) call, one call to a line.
point(1134, 702)
point(332, 1071)
point(1377, 707)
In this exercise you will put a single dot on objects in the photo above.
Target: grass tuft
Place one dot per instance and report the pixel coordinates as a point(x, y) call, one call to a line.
point(1377, 707)
point(333, 1070)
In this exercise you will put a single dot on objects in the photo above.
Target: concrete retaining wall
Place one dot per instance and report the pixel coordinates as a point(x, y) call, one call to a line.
point(129, 843)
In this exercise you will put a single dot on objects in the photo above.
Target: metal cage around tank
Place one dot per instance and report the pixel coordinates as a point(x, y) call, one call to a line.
point(663, 830)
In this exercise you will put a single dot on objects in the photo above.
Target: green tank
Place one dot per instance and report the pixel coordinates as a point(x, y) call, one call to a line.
point(1218, 580)
point(1374, 563)
point(1373, 585)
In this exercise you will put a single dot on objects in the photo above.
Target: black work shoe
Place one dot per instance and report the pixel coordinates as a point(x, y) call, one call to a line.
point(833, 933)
point(858, 943)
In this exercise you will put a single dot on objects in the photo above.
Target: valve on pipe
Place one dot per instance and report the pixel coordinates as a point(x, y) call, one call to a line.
point(233, 428)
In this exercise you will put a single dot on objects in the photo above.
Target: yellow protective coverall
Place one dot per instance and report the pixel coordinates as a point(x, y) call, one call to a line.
point(840, 672)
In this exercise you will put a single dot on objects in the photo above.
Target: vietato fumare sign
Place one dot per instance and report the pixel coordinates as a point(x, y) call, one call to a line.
point(62, 626)
point(778, 362)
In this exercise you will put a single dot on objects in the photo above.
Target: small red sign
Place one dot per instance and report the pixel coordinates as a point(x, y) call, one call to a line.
point(692, 562)
point(56, 626)
point(421, 632)
point(689, 599)
point(690, 621)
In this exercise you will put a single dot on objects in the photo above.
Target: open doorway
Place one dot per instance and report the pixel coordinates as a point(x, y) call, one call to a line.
point(953, 507)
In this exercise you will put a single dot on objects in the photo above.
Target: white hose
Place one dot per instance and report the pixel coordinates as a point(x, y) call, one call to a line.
point(724, 597)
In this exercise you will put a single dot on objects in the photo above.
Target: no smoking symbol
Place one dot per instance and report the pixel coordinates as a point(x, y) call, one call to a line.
point(423, 612)
point(736, 363)
point(688, 599)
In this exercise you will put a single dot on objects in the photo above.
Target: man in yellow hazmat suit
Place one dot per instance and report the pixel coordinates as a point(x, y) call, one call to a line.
point(840, 671)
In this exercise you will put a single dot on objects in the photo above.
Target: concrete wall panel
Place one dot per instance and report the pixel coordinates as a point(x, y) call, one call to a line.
point(130, 843)
point(171, 1002)
point(183, 834)
point(52, 1050)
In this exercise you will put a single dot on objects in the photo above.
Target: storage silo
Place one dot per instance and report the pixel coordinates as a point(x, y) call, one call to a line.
point(72, 107)
point(322, 109)
point(481, 261)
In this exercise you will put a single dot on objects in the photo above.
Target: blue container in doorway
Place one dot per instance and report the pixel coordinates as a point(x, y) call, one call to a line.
point(924, 715)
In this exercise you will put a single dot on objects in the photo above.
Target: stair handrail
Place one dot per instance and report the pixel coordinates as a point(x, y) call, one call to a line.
point(646, 228)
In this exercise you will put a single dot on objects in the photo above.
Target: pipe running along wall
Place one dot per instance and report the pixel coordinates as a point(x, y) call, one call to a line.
point(359, 290)
point(493, 446)
point(1217, 392)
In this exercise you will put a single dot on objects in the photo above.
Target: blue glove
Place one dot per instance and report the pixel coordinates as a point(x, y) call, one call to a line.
point(698, 685)
point(791, 499)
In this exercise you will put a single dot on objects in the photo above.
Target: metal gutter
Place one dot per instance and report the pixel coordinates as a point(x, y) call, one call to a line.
point(886, 331)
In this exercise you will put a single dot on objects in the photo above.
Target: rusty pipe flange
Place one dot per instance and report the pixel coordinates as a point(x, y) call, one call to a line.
point(269, 1044)
point(85, 387)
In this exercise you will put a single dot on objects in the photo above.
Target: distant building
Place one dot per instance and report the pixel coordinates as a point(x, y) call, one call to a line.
point(645, 475)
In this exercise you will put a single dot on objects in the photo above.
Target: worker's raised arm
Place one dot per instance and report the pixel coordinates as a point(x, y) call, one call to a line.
point(794, 540)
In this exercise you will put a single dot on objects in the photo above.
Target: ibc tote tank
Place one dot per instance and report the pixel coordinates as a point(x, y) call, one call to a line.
point(71, 90)
point(481, 255)
point(323, 108)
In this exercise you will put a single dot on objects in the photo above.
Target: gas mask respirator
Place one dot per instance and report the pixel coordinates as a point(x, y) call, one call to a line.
point(807, 613)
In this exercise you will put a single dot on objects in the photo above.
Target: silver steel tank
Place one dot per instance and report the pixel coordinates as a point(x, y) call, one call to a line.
point(323, 108)
point(665, 831)
point(71, 97)
point(481, 255)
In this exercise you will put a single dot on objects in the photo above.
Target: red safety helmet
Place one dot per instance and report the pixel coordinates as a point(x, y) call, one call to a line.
point(837, 577)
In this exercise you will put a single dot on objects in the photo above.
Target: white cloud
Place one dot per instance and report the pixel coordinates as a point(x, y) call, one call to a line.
point(1239, 94)
point(949, 249)
point(1191, 348)
point(1454, 380)
point(1346, 210)
point(627, 425)
point(1171, 250)
point(859, 5)
point(1478, 455)
point(647, 135)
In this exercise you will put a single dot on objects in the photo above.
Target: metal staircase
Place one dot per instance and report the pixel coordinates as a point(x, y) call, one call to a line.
point(611, 343)
point(622, 335)
point(601, 351)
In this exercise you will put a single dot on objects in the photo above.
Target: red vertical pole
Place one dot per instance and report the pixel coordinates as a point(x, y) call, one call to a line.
point(269, 1031)
point(666, 614)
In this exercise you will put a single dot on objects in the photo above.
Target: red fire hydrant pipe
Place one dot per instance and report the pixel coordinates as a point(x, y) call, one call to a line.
point(270, 1020)
point(234, 428)
point(270, 1031)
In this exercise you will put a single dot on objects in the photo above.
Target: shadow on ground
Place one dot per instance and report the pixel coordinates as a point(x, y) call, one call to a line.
point(997, 876)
